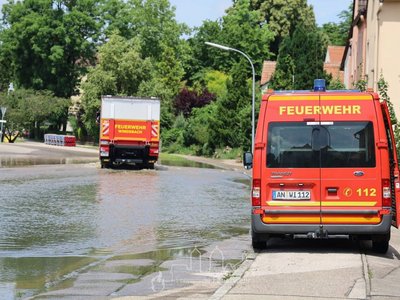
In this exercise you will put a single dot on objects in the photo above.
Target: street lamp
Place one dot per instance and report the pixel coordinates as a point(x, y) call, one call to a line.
point(254, 87)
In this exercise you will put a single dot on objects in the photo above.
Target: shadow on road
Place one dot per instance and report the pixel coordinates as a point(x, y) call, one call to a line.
point(336, 245)
point(331, 245)
point(366, 248)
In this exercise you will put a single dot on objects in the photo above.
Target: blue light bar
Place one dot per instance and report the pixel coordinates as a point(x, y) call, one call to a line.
point(319, 85)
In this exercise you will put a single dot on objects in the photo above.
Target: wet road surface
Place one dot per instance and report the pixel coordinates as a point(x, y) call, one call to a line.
point(68, 231)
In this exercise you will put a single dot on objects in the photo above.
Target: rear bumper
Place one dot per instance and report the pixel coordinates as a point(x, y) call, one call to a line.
point(259, 227)
point(131, 154)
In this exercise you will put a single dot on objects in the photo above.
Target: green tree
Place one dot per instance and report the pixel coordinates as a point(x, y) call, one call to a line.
point(383, 93)
point(361, 84)
point(151, 21)
point(232, 122)
point(165, 82)
point(242, 30)
point(383, 87)
point(201, 57)
point(198, 133)
point(336, 84)
point(6, 74)
point(337, 33)
point(154, 22)
point(300, 60)
point(120, 71)
point(49, 43)
point(283, 17)
point(31, 110)
point(215, 82)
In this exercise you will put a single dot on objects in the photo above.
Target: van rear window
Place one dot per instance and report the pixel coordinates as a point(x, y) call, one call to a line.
point(314, 145)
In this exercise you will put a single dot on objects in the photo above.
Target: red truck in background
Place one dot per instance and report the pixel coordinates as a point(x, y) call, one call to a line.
point(129, 131)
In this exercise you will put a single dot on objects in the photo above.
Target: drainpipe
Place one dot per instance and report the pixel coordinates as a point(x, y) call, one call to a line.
point(376, 71)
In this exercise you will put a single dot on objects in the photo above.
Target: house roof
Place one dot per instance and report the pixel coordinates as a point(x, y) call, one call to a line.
point(334, 55)
point(267, 71)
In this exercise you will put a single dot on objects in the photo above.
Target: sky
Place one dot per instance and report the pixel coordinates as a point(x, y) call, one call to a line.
point(194, 12)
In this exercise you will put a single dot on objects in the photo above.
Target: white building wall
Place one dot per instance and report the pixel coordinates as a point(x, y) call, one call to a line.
point(383, 47)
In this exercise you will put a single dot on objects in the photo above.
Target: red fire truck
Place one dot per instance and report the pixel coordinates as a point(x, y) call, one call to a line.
point(129, 131)
point(324, 164)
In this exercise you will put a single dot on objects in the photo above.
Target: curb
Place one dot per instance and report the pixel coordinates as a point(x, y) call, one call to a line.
point(236, 276)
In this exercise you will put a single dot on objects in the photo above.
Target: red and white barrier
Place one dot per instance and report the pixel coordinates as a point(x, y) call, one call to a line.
point(60, 140)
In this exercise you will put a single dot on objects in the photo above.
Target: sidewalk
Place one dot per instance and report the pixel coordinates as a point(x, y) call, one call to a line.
point(334, 272)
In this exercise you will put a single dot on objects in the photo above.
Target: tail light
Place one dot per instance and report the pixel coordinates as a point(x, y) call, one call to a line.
point(256, 193)
point(104, 151)
point(386, 194)
point(154, 151)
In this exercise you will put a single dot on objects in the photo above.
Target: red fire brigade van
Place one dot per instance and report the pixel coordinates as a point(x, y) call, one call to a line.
point(324, 164)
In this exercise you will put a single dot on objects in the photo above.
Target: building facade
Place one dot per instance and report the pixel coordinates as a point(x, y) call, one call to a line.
point(373, 48)
point(333, 59)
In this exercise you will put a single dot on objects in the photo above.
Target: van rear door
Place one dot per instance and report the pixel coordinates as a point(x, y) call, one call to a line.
point(350, 177)
point(291, 172)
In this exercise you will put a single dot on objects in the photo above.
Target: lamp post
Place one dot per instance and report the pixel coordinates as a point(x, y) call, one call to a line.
point(254, 87)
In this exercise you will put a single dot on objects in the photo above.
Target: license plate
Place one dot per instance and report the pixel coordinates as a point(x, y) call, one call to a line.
point(291, 195)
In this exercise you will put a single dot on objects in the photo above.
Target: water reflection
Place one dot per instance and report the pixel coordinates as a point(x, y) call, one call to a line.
point(33, 274)
point(43, 214)
point(186, 163)
point(57, 219)
point(15, 161)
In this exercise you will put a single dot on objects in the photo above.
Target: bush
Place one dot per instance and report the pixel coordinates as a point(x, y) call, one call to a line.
point(187, 100)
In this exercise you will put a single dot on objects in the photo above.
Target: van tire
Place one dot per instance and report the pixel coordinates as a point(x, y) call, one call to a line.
point(258, 242)
point(380, 243)
point(380, 246)
point(258, 245)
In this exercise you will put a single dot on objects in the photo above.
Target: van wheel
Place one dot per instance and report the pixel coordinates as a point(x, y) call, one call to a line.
point(257, 242)
point(258, 245)
point(380, 243)
point(380, 246)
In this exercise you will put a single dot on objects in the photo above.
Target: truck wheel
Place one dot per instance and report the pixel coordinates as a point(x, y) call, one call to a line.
point(150, 166)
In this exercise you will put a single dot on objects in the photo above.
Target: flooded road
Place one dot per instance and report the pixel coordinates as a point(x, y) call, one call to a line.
point(65, 225)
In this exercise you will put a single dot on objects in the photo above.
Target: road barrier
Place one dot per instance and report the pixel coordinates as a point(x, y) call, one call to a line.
point(60, 140)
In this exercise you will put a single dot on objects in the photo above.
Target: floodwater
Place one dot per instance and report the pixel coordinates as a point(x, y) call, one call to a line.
point(13, 161)
point(63, 222)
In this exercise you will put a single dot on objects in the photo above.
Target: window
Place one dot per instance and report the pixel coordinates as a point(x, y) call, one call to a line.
point(330, 145)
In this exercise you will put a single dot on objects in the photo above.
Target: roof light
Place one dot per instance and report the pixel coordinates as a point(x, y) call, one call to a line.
point(319, 85)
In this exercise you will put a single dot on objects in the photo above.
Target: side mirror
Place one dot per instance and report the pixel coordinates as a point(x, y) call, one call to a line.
point(248, 160)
